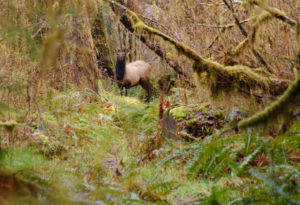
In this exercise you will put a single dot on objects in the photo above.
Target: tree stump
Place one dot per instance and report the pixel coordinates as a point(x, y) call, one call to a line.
point(191, 122)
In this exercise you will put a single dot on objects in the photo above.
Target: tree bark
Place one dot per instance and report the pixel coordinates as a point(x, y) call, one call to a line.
point(102, 45)
point(86, 72)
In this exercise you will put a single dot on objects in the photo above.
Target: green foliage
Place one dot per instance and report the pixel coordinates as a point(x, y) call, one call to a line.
point(13, 32)
point(180, 112)
point(78, 146)
point(212, 158)
point(131, 114)
point(20, 159)
point(278, 191)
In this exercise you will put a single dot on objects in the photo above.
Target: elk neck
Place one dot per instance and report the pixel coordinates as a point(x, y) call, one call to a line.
point(120, 69)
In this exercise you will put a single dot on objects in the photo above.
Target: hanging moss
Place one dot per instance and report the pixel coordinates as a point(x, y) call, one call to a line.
point(241, 75)
point(284, 111)
point(281, 113)
point(249, 41)
point(274, 11)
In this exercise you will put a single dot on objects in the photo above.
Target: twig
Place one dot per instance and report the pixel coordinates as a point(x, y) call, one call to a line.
point(236, 19)
point(214, 26)
point(277, 14)
point(212, 4)
point(37, 32)
point(244, 32)
point(223, 26)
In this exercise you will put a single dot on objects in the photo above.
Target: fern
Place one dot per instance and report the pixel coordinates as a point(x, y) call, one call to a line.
point(250, 157)
point(279, 189)
point(170, 157)
point(212, 158)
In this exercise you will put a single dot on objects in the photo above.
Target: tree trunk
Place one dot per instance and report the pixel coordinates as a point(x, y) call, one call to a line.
point(86, 71)
point(103, 53)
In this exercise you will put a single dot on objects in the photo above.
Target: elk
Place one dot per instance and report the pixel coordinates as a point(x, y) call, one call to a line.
point(131, 74)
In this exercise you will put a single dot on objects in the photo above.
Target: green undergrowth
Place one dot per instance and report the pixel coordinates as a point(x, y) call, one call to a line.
point(101, 148)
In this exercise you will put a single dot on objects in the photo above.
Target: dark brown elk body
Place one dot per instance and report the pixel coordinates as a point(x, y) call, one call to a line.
point(131, 74)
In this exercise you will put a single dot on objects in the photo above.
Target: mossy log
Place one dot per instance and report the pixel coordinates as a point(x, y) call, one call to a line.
point(240, 76)
point(191, 122)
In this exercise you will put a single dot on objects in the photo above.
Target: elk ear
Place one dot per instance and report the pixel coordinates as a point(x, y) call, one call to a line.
point(117, 50)
point(126, 50)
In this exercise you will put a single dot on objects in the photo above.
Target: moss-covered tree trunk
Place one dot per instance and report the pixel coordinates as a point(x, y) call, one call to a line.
point(68, 54)
point(86, 70)
point(101, 40)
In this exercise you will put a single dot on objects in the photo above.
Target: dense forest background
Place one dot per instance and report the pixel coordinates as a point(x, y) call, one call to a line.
point(222, 126)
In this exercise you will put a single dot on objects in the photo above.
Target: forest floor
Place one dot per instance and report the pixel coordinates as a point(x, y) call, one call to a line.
point(89, 148)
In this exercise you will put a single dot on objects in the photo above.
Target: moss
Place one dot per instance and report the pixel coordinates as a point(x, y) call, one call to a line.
point(180, 113)
point(202, 108)
point(238, 73)
point(218, 113)
point(249, 41)
point(281, 16)
point(241, 76)
point(283, 110)
point(192, 121)
point(273, 11)
point(9, 125)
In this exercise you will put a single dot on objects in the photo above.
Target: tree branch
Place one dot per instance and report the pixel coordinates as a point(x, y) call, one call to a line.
point(223, 26)
point(243, 31)
point(154, 47)
point(276, 13)
point(285, 110)
point(240, 76)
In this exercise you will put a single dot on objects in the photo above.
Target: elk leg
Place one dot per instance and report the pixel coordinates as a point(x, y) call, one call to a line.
point(148, 87)
point(126, 91)
point(121, 90)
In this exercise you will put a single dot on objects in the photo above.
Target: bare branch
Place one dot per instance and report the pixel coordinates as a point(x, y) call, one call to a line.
point(276, 13)
point(223, 26)
point(244, 32)
point(212, 4)
point(281, 16)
